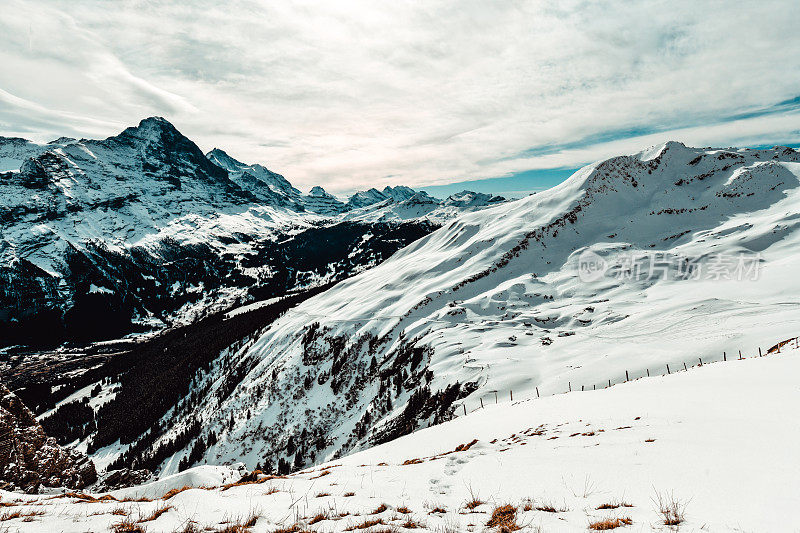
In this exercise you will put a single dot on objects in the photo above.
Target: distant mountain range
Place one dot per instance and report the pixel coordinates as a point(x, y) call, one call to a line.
point(99, 238)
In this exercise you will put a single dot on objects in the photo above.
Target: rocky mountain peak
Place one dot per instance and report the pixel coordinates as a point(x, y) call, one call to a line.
point(319, 192)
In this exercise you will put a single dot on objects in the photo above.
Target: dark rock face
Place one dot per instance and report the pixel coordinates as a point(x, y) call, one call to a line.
point(126, 477)
point(29, 458)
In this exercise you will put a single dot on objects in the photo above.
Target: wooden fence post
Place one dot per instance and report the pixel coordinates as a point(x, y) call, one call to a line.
point(724, 357)
point(626, 375)
point(581, 388)
point(648, 372)
point(495, 396)
point(465, 409)
point(667, 368)
point(759, 351)
point(594, 387)
point(609, 382)
point(684, 366)
point(512, 395)
point(569, 385)
point(481, 403)
point(537, 392)
point(701, 361)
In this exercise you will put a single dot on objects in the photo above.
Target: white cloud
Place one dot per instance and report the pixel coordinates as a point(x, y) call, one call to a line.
point(355, 94)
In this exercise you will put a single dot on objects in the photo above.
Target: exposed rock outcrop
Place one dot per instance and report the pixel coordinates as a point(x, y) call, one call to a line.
point(29, 459)
point(125, 477)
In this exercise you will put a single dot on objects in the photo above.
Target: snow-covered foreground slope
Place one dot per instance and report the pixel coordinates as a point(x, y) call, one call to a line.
point(696, 251)
point(720, 440)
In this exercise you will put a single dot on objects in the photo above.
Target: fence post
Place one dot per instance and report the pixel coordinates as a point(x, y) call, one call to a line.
point(724, 357)
point(667, 368)
point(759, 351)
point(569, 385)
point(581, 388)
point(537, 392)
point(684, 366)
point(512, 395)
point(609, 382)
point(495, 396)
point(465, 409)
point(648, 372)
point(594, 387)
point(481, 403)
point(701, 361)
point(626, 375)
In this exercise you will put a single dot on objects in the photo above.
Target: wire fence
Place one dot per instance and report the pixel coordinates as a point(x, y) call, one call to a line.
point(666, 370)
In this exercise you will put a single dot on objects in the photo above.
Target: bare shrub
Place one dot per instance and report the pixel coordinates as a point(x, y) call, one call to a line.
point(672, 510)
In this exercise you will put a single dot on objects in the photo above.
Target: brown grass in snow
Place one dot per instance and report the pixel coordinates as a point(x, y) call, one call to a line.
point(504, 519)
point(610, 523)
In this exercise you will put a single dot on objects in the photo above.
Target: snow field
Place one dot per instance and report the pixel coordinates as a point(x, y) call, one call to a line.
point(719, 440)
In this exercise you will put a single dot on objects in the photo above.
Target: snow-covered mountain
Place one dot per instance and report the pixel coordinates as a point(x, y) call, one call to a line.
point(267, 186)
point(661, 257)
point(100, 238)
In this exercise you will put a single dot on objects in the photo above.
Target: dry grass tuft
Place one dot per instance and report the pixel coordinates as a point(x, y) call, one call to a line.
point(367, 524)
point(127, 526)
point(672, 510)
point(381, 508)
point(613, 505)
point(410, 524)
point(349, 494)
point(26, 517)
point(323, 494)
point(549, 507)
point(504, 518)
point(528, 504)
point(155, 514)
point(610, 523)
point(403, 510)
point(291, 529)
point(236, 528)
point(319, 517)
point(473, 503)
point(170, 493)
point(252, 518)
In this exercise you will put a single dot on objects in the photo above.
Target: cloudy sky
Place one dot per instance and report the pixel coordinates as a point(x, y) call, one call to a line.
point(353, 94)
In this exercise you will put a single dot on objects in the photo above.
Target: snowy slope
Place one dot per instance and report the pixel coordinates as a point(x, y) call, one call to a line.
point(494, 302)
point(715, 439)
